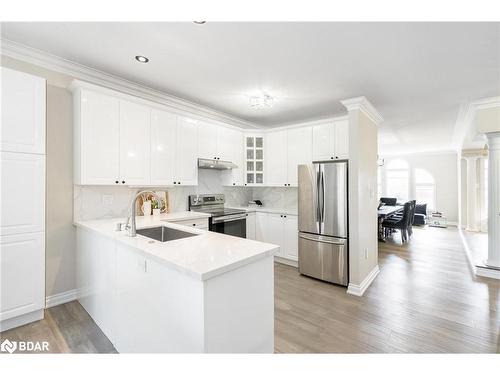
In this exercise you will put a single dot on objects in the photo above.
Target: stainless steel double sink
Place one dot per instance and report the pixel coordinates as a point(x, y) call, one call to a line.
point(164, 234)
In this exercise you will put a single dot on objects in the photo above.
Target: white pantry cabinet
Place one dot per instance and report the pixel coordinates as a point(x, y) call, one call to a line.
point(22, 179)
point(285, 150)
point(23, 112)
point(135, 127)
point(279, 229)
point(331, 140)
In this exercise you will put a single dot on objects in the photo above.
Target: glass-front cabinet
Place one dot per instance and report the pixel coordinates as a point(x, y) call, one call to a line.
point(254, 160)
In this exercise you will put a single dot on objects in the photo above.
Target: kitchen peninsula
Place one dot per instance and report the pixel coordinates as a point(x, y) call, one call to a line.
point(208, 292)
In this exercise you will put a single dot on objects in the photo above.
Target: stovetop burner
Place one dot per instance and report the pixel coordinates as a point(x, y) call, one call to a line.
point(212, 204)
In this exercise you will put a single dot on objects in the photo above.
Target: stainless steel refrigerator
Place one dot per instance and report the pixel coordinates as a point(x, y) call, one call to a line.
point(323, 221)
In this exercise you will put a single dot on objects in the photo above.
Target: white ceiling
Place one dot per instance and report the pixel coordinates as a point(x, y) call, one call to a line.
point(416, 74)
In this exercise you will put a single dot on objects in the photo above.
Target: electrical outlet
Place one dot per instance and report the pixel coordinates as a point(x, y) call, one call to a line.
point(107, 199)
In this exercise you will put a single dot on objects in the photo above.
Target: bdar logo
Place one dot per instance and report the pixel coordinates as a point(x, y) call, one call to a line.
point(8, 346)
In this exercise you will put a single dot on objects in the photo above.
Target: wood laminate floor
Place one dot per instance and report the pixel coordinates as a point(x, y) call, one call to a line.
point(425, 300)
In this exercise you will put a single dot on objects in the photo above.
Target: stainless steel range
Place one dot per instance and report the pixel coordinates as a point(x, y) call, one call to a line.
point(222, 220)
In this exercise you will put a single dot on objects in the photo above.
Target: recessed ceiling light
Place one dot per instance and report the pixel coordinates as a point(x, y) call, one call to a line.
point(261, 101)
point(199, 22)
point(142, 59)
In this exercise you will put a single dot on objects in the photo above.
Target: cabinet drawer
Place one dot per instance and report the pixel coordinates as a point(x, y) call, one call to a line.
point(196, 223)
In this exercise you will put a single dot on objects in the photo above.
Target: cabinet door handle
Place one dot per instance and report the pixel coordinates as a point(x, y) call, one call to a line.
point(116, 182)
point(123, 182)
point(175, 182)
point(178, 183)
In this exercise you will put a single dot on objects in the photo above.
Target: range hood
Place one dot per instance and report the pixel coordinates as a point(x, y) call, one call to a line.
point(216, 164)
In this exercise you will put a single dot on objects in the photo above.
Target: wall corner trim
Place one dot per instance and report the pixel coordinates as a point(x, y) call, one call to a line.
point(359, 290)
point(363, 104)
point(60, 298)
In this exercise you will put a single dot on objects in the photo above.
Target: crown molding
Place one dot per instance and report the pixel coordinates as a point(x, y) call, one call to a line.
point(363, 104)
point(466, 116)
point(94, 76)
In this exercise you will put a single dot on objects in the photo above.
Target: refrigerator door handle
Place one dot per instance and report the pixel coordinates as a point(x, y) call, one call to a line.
point(323, 239)
point(318, 199)
point(322, 197)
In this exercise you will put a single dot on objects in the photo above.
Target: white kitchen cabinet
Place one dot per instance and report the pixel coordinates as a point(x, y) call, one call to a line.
point(290, 237)
point(342, 139)
point(163, 147)
point(251, 226)
point(331, 140)
point(299, 151)
point(22, 276)
point(207, 140)
point(193, 223)
point(97, 138)
point(186, 172)
point(135, 140)
point(23, 112)
point(253, 160)
point(276, 158)
point(231, 149)
point(22, 180)
point(279, 229)
point(261, 227)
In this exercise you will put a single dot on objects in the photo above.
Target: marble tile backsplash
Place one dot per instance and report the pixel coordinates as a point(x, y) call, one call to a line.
point(100, 202)
point(277, 197)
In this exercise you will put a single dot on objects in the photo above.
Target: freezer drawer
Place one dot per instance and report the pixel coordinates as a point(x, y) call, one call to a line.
point(323, 258)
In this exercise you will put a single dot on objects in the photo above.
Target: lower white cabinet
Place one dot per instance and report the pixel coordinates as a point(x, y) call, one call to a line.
point(22, 277)
point(279, 229)
point(251, 226)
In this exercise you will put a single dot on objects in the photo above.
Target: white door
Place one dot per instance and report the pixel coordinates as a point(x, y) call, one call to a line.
point(100, 139)
point(322, 142)
point(207, 140)
point(299, 152)
point(275, 231)
point(22, 274)
point(251, 225)
point(22, 184)
point(342, 139)
point(291, 230)
point(186, 172)
point(163, 156)
point(275, 159)
point(23, 112)
point(261, 228)
point(135, 128)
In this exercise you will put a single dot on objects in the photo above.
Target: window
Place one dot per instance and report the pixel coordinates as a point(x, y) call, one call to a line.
point(396, 177)
point(425, 188)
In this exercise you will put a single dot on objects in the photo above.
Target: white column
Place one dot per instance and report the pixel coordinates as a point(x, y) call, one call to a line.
point(472, 196)
point(493, 200)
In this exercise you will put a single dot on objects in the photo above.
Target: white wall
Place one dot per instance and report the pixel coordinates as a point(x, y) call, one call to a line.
point(363, 227)
point(443, 166)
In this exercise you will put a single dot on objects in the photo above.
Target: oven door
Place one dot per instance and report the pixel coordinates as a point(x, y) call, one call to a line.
point(233, 225)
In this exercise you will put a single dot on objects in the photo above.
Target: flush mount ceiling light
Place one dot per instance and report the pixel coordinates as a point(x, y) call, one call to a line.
point(142, 59)
point(199, 22)
point(261, 102)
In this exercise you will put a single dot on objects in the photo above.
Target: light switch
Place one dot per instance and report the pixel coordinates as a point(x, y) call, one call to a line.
point(107, 199)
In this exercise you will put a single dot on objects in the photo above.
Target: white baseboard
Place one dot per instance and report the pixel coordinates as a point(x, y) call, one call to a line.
point(288, 262)
point(488, 272)
point(60, 298)
point(359, 290)
point(21, 320)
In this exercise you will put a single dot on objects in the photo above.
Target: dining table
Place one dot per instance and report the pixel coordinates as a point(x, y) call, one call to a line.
point(385, 212)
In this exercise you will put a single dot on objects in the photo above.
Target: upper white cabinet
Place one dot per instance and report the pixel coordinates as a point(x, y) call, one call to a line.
point(97, 138)
point(121, 142)
point(23, 112)
point(163, 147)
point(231, 149)
point(276, 163)
point(285, 150)
point(299, 144)
point(135, 129)
point(253, 160)
point(186, 171)
point(207, 140)
point(331, 140)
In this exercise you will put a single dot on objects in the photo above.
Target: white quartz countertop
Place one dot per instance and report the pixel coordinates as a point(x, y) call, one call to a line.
point(271, 210)
point(203, 256)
